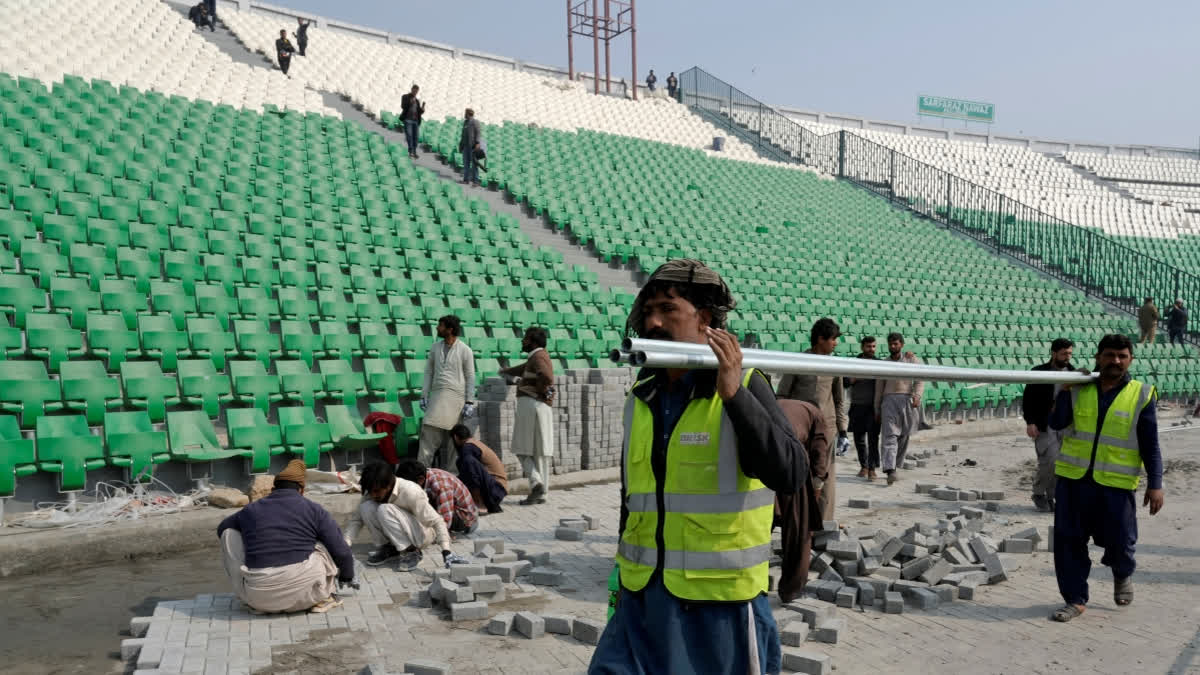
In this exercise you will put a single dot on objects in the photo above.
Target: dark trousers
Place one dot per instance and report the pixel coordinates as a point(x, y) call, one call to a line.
point(470, 167)
point(284, 64)
point(1084, 510)
point(475, 476)
point(1175, 335)
point(412, 129)
point(212, 9)
point(866, 443)
point(865, 429)
point(301, 44)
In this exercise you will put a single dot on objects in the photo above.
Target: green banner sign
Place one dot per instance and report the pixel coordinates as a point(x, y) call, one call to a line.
point(972, 111)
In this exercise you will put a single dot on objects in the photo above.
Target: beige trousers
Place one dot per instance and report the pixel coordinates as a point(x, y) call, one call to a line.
point(289, 588)
point(388, 522)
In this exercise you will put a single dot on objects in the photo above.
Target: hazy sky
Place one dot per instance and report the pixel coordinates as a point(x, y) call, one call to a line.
point(1108, 71)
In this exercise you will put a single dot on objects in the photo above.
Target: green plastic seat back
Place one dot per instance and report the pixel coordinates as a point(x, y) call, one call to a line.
point(134, 443)
point(67, 447)
point(17, 457)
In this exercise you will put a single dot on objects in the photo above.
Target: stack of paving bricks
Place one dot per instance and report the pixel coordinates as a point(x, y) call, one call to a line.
point(926, 565)
point(568, 421)
point(604, 407)
point(497, 414)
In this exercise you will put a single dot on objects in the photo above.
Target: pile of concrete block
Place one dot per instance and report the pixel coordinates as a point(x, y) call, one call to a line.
point(958, 494)
point(497, 403)
point(531, 625)
point(588, 406)
point(926, 565)
point(604, 407)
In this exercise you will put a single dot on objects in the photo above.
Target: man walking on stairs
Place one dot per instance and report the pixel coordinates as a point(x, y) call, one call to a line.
point(468, 143)
point(284, 51)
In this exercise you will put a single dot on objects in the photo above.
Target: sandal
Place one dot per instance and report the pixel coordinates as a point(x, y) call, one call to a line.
point(1066, 613)
point(1123, 591)
point(325, 605)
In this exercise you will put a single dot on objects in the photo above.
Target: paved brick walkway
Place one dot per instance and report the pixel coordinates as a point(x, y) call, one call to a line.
point(1004, 630)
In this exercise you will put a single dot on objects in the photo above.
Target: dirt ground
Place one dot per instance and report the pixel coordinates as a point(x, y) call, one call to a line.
point(68, 622)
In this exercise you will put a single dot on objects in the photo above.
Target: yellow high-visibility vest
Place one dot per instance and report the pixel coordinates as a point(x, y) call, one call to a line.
point(716, 520)
point(1118, 461)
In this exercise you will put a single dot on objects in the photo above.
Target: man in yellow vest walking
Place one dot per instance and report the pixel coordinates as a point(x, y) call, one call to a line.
point(705, 452)
point(1110, 431)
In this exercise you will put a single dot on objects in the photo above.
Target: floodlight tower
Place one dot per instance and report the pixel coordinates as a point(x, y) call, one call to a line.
point(585, 19)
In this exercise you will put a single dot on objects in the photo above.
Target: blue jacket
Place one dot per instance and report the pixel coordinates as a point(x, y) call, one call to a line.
point(283, 528)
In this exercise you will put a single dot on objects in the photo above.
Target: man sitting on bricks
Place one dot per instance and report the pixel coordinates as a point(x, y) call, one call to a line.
point(284, 553)
point(399, 517)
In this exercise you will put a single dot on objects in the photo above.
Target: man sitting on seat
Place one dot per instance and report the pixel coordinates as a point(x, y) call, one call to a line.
point(446, 492)
point(284, 553)
point(398, 516)
point(480, 470)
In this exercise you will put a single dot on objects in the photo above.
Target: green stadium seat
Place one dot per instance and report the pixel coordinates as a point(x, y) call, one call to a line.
point(250, 433)
point(208, 339)
point(170, 298)
point(160, 340)
point(339, 343)
point(346, 429)
point(255, 340)
point(110, 340)
point(74, 298)
point(19, 296)
point(51, 338)
point(342, 384)
point(383, 382)
point(193, 438)
point(134, 444)
point(299, 383)
point(201, 385)
point(147, 388)
point(253, 386)
point(66, 446)
point(304, 435)
point(87, 388)
point(17, 457)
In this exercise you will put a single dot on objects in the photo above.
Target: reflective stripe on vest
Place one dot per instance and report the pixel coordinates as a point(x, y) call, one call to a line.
point(1117, 462)
point(716, 520)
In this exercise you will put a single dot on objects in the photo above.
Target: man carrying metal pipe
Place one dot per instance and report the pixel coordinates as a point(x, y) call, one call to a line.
point(704, 451)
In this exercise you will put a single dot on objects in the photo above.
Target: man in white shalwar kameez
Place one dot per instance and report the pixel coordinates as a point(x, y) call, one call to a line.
point(448, 394)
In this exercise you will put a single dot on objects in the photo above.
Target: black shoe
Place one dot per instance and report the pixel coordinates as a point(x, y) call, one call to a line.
point(382, 555)
point(1041, 503)
point(495, 509)
point(409, 561)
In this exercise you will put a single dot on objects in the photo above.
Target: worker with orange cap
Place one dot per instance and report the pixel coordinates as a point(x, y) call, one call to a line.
point(285, 553)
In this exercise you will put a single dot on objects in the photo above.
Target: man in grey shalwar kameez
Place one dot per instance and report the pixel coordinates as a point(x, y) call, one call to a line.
point(448, 394)
point(897, 405)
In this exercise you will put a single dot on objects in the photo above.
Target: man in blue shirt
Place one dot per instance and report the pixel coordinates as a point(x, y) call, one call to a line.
point(1085, 507)
point(284, 553)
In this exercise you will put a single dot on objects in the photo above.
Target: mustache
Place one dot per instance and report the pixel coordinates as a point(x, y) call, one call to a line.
point(659, 334)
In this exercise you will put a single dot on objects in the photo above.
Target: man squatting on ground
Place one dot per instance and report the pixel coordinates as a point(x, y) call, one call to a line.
point(704, 454)
point(285, 553)
point(399, 517)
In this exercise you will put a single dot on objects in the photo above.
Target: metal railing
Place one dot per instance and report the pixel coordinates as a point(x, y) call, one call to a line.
point(1091, 261)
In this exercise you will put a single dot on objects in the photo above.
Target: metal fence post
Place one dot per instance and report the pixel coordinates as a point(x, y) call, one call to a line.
point(842, 153)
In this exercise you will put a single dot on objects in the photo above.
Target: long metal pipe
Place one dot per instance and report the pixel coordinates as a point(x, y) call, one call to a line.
point(664, 354)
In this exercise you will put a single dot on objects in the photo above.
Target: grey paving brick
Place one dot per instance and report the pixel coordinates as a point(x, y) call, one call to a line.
point(992, 495)
point(1012, 545)
point(935, 573)
point(831, 574)
point(139, 626)
point(559, 624)
point(501, 624)
point(810, 663)
point(131, 647)
point(427, 667)
point(847, 568)
point(529, 624)
point(574, 523)
point(545, 576)
point(568, 533)
point(916, 568)
point(485, 552)
point(592, 521)
point(587, 631)
point(822, 562)
point(966, 589)
point(945, 592)
point(893, 603)
point(485, 583)
point(866, 595)
point(465, 611)
point(496, 543)
point(846, 597)
point(460, 573)
point(857, 503)
point(829, 631)
point(995, 569)
point(923, 598)
point(811, 611)
point(891, 549)
point(794, 634)
point(844, 550)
